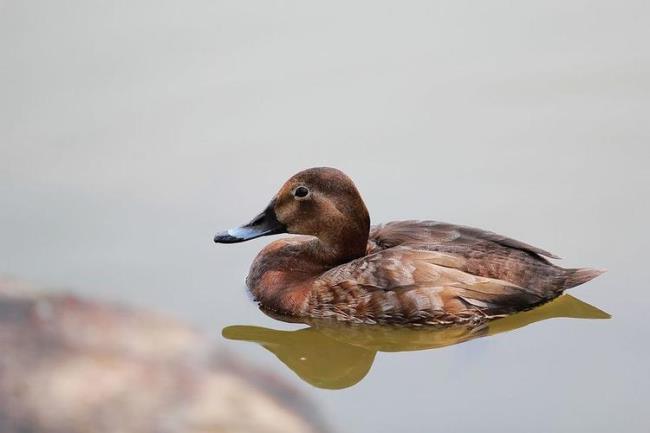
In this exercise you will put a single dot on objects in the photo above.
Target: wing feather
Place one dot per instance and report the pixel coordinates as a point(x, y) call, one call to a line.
point(408, 285)
point(432, 232)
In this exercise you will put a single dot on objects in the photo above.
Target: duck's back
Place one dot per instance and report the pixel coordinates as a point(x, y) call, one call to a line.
point(430, 272)
point(482, 253)
point(435, 233)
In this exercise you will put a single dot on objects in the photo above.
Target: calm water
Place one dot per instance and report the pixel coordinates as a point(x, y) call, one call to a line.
point(130, 132)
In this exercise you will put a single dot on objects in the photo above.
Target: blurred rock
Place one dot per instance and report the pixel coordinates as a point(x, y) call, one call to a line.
point(71, 365)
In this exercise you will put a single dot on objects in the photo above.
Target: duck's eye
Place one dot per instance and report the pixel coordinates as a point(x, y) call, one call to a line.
point(301, 192)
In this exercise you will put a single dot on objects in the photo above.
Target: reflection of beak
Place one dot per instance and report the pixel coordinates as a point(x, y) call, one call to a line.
point(264, 224)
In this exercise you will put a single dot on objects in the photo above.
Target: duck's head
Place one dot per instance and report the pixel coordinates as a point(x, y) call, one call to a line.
point(321, 202)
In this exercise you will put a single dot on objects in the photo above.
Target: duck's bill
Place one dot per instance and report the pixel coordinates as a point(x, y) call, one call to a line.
point(265, 224)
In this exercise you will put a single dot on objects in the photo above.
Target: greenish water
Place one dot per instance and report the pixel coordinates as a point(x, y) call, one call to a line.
point(332, 356)
point(131, 132)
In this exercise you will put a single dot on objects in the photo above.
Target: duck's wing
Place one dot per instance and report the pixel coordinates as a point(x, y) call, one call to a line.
point(435, 233)
point(408, 285)
point(481, 253)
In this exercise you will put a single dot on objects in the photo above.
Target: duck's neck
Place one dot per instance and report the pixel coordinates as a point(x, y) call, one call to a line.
point(342, 243)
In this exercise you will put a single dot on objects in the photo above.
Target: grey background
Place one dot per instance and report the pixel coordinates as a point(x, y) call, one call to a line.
point(131, 131)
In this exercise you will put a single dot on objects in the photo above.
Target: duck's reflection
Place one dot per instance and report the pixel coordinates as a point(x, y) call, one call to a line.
point(335, 356)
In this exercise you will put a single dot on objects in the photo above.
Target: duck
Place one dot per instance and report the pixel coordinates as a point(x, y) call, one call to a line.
point(339, 267)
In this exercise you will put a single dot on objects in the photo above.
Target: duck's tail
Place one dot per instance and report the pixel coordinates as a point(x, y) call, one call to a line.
point(580, 276)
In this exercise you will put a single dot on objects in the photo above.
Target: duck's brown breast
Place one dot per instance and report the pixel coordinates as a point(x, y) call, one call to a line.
point(281, 276)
